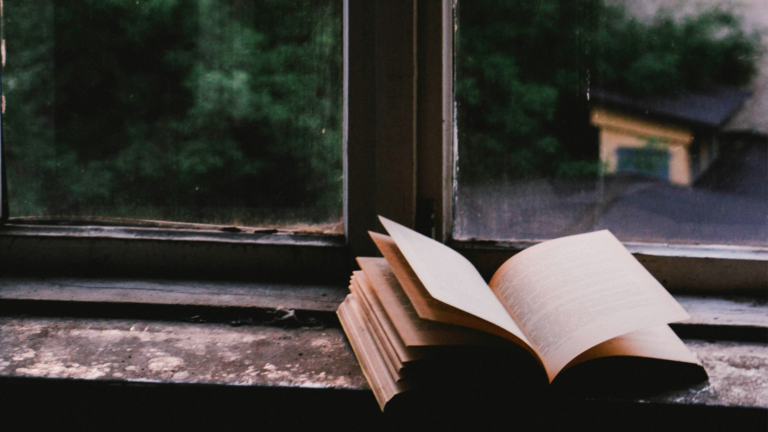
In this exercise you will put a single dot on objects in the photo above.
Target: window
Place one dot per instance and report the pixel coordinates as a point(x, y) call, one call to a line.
point(399, 161)
point(136, 247)
point(178, 124)
point(622, 123)
point(225, 112)
point(631, 116)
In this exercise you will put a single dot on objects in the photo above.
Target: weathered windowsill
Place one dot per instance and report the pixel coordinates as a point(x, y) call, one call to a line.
point(142, 351)
point(284, 336)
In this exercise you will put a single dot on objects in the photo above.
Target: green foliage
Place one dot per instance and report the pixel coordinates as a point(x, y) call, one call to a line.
point(203, 111)
point(524, 69)
point(217, 110)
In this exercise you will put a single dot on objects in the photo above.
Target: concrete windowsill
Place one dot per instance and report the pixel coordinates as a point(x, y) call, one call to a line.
point(276, 351)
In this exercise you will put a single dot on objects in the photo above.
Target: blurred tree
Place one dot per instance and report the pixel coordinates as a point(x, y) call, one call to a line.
point(524, 69)
point(28, 87)
point(204, 111)
point(223, 111)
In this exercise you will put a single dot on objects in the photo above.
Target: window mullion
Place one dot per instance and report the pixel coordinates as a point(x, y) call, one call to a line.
point(435, 150)
point(380, 95)
point(3, 181)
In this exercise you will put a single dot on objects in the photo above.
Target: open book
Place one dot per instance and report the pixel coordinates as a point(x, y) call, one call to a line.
point(563, 302)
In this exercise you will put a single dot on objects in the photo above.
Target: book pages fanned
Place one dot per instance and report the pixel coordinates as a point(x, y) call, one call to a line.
point(393, 364)
point(450, 278)
point(371, 361)
point(428, 307)
point(413, 330)
point(369, 299)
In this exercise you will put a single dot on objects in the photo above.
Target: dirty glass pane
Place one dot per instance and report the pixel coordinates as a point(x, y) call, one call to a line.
point(648, 118)
point(206, 111)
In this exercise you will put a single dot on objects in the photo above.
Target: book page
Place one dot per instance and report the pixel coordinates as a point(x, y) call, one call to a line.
point(392, 363)
point(414, 331)
point(449, 278)
point(426, 306)
point(572, 293)
point(363, 292)
point(384, 386)
point(658, 342)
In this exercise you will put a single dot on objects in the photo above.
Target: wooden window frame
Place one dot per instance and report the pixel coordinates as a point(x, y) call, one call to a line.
point(399, 145)
point(380, 72)
point(707, 269)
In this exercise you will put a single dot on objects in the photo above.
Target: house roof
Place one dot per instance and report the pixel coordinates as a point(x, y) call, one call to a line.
point(753, 117)
point(711, 108)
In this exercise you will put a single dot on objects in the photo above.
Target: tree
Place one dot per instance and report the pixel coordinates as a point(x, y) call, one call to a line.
point(207, 111)
point(524, 70)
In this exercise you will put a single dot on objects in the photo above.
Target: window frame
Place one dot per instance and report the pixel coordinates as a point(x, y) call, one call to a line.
point(681, 268)
point(3, 182)
point(399, 158)
point(371, 30)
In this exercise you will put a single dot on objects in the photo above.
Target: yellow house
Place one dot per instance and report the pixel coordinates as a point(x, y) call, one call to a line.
point(675, 139)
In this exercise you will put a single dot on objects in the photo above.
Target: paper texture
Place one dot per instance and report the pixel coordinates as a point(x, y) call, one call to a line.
point(371, 362)
point(364, 293)
point(393, 364)
point(413, 330)
point(451, 279)
point(658, 342)
point(570, 294)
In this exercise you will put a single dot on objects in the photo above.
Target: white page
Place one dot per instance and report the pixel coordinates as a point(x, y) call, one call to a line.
point(658, 342)
point(414, 331)
point(572, 293)
point(450, 278)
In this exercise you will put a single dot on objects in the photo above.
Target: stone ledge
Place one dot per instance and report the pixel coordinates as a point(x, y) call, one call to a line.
point(167, 352)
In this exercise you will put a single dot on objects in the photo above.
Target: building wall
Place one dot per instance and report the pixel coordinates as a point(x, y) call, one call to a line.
point(618, 130)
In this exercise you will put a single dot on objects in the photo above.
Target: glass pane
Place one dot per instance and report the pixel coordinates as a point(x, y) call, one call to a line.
point(206, 111)
point(649, 119)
